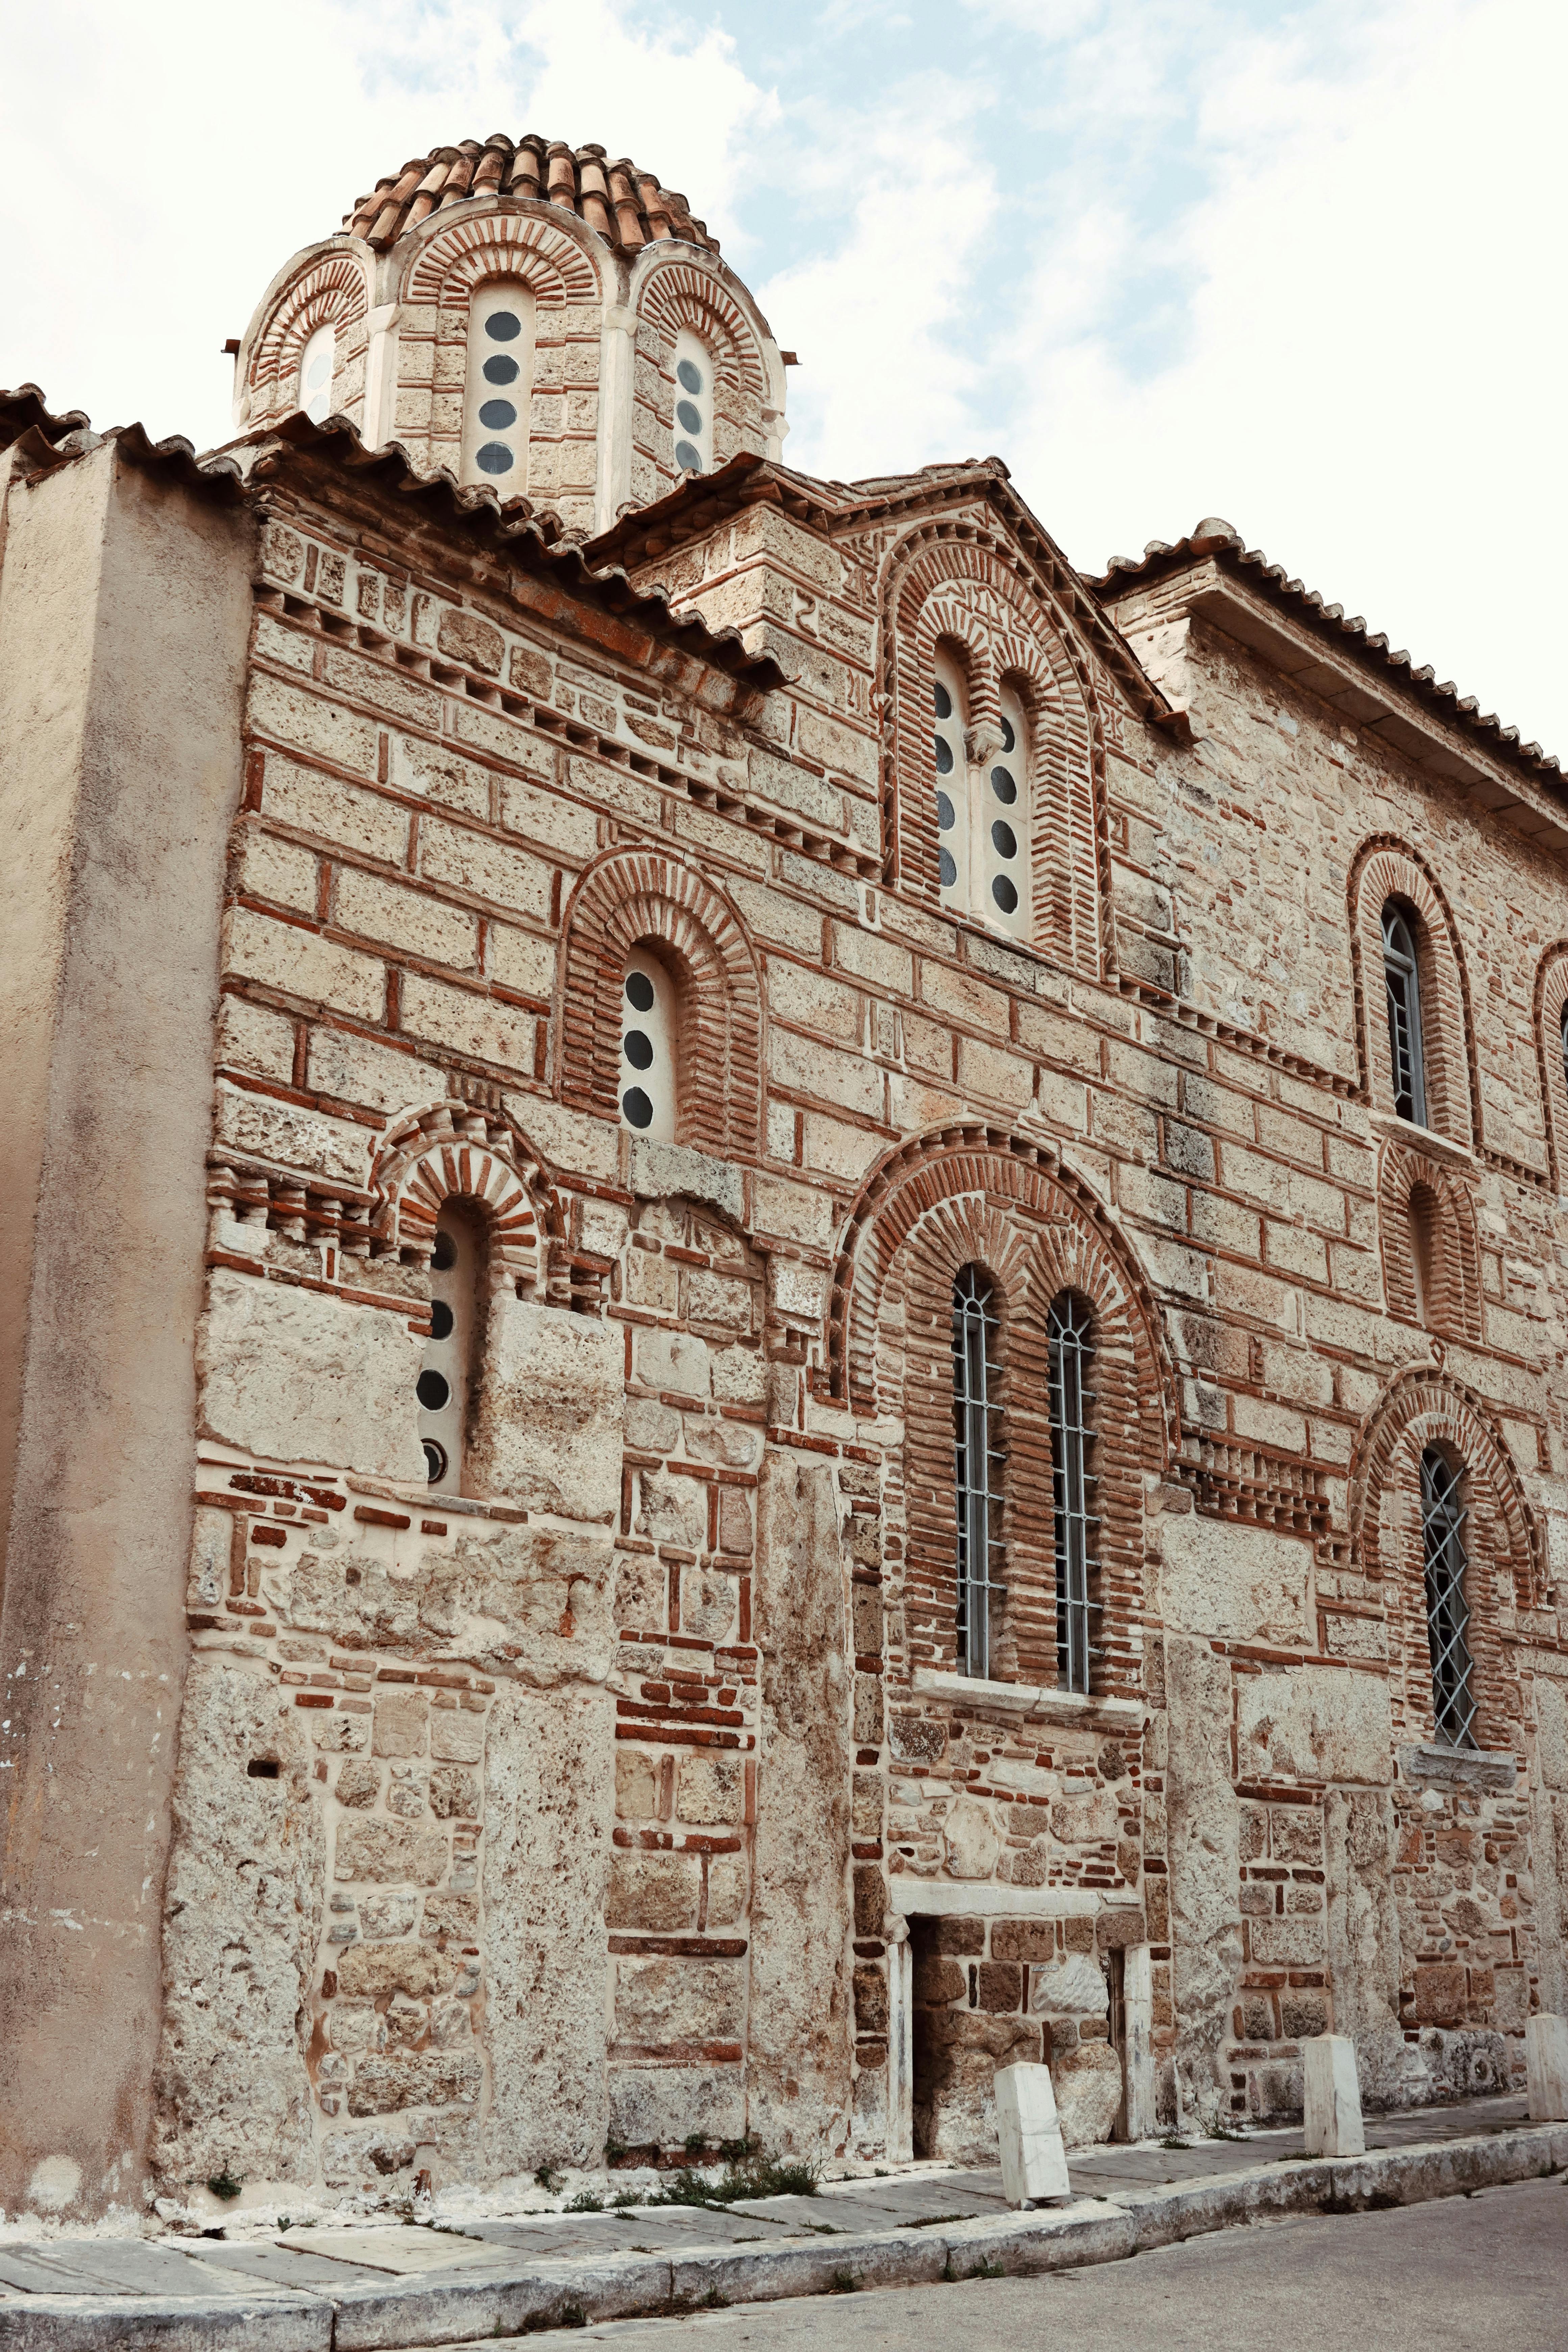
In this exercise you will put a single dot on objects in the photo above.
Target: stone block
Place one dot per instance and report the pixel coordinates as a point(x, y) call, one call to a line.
point(550, 1420)
point(366, 1971)
point(1440, 1993)
point(663, 2106)
point(385, 1851)
point(999, 1985)
point(456, 1735)
point(1333, 2093)
point(656, 1892)
point(1546, 2064)
point(402, 1721)
point(1033, 2160)
point(292, 1375)
point(1089, 2092)
point(1314, 1723)
point(711, 1790)
point(661, 2001)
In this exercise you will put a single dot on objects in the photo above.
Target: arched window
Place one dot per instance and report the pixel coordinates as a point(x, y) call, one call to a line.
point(1443, 1517)
point(499, 385)
point(446, 1365)
point(1004, 826)
point(976, 1424)
point(1072, 1481)
point(1403, 1013)
point(950, 700)
point(647, 1088)
point(1565, 1043)
point(693, 404)
point(317, 362)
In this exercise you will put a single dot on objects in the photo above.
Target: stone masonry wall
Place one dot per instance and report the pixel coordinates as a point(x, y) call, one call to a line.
point(606, 1790)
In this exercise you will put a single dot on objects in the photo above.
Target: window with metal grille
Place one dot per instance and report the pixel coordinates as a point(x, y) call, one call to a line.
point(1070, 1332)
point(976, 1425)
point(1443, 1516)
point(1404, 1015)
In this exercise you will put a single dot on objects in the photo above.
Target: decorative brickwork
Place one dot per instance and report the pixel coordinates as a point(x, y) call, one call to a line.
point(1388, 869)
point(632, 897)
point(678, 293)
point(1550, 999)
point(450, 1153)
point(331, 290)
point(956, 584)
point(1431, 1266)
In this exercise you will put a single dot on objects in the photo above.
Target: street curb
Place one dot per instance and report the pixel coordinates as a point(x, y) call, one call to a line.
point(508, 2299)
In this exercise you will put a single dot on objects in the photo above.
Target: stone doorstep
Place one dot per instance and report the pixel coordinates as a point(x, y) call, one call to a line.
point(471, 2306)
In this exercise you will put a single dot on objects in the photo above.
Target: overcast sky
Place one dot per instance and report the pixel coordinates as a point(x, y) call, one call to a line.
point(1299, 267)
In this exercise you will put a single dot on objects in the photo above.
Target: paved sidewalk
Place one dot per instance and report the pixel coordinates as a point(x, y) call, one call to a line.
point(359, 2288)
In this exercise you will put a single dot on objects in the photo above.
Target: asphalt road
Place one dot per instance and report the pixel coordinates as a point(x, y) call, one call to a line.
point(1486, 2273)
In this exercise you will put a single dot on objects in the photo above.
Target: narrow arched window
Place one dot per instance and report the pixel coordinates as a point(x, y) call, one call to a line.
point(317, 362)
point(499, 385)
point(1003, 837)
point(693, 404)
point(1070, 1334)
point(950, 705)
point(446, 1365)
point(976, 1424)
point(649, 1048)
point(1443, 1517)
point(1565, 1044)
point(1404, 986)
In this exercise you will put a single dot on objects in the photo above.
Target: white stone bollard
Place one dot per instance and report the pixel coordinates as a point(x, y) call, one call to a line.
point(1033, 2161)
point(1333, 2096)
point(1546, 2061)
point(1138, 2015)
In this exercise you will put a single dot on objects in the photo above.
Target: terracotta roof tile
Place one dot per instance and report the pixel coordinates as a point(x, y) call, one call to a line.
point(1213, 538)
point(625, 206)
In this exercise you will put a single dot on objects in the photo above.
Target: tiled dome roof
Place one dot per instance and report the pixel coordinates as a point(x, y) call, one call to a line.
point(624, 204)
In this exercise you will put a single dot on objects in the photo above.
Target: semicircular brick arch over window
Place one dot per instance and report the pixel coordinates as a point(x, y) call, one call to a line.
point(977, 590)
point(331, 291)
point(1550, 1006)
point(677, 294)
point(453, 1153)
point(560, 271)
point(1430, 1409)
point(637, 896)
point(969, 1198)
point(1385, 868)
point(1444, 1294)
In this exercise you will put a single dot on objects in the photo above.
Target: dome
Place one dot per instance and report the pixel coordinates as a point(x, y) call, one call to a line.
point(624, 204)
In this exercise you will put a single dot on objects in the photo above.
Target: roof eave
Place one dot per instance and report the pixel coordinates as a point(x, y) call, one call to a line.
point(1518, 784)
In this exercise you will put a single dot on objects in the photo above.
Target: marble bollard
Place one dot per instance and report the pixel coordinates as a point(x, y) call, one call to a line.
point(1333, 2124)
point(1546, 2064)
point(1033, 2161)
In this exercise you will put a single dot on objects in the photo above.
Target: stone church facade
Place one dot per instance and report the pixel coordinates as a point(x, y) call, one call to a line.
point(787, 1293)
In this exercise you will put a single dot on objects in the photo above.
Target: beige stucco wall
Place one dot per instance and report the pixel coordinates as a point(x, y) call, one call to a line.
point(123, 622)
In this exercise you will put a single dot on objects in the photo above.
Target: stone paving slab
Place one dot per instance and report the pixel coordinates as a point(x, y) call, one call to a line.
point(388, 2286)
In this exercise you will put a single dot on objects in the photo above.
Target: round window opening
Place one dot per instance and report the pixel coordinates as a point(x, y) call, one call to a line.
point(943, 756)
point(688, 377)
point(688, 458)
point(1004, 840)
point(945, 814)
point(1002, 784)
point(1007, 898)
point(688, 416)
point(445, 1253)
point(639, 991)
point(637, 1049)
point(495, 457)
point(502, 369)
point(435, 1461)
point(1008, 738)
point(433, 1393)
point(441, 1319)
point(943, 702)
point(496, 414)
point(637, 1108)
point(503, 326)
point(946, 868)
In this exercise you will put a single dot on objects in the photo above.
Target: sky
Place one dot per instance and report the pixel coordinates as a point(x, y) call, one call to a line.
point(1297, 267)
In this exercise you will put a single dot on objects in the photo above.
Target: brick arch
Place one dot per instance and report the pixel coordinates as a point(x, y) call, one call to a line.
point(1030, 1178)
point(1426, 1408)
point(332, 290)
point(451, 1152)
point(1551, 996)
point(1454, 1308)
point(1387, 868)
point(976, 1204)
point(446, 269)
point(1023, 633)
point(635, 895)
point(681, 293)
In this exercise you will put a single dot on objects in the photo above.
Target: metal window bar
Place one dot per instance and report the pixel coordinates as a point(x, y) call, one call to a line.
point(976, 1421)
point(1447, 1611)
point(1402, 983)
point(1565, 1044)
point(1071, 1351)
